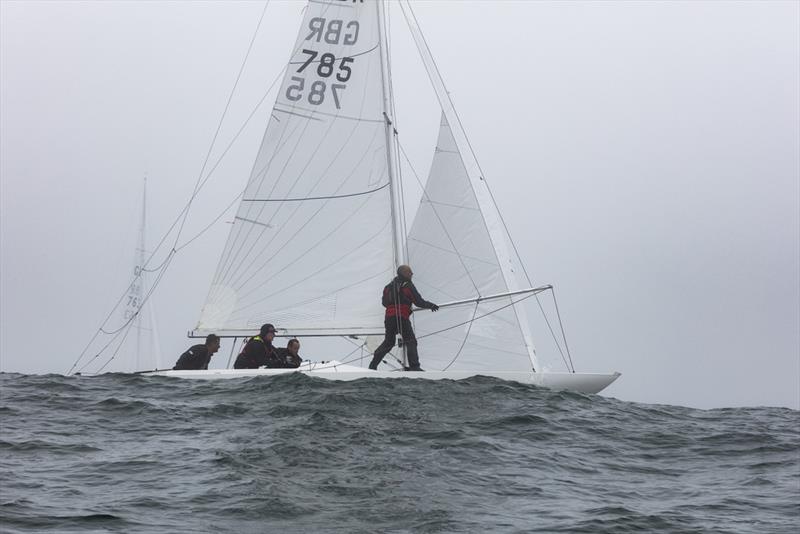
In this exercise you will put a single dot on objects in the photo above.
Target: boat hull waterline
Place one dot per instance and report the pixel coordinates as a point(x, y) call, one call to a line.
point(580, 382)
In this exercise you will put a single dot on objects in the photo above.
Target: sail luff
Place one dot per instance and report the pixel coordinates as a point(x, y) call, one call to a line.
point(483, 197)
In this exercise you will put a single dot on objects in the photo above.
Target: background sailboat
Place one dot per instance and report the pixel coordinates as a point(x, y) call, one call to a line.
point(133, 338)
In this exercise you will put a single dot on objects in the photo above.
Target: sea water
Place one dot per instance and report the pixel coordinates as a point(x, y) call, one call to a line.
point(126, 453)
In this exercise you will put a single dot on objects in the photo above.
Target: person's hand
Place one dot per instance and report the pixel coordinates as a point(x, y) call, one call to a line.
point(434, 308)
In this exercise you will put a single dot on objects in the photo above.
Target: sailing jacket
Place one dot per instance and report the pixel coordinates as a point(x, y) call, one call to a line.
point(257, 352)
point(197, 357)
point(398, 297)
point(287, 360)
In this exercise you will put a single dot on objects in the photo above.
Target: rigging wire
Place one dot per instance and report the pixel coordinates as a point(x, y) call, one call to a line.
point(212, 223)
point(197, 184)
point(129, 323)
point(552, 333)
point(466, 336)
point(183, 214)
point(558, 313)
point(513, 302)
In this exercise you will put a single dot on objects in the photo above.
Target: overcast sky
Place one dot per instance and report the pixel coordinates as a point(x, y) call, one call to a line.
point(645, 156)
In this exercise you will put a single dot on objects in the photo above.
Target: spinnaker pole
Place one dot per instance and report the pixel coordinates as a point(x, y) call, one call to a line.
point(493, 297)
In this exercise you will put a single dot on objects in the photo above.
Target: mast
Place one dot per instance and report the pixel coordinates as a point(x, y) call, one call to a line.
point(134, 307)
point(398, 236)
point(140, 259)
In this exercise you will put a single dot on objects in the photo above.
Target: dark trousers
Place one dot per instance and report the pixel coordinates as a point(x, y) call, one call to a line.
point(410, 342)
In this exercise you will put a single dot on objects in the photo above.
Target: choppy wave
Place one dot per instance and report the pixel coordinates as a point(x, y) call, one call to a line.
point(126, 453)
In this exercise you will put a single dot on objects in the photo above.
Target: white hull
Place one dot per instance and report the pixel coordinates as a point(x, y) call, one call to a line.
point(580, 382)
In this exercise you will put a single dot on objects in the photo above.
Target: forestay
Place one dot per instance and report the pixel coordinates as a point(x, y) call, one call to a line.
point(311, 245)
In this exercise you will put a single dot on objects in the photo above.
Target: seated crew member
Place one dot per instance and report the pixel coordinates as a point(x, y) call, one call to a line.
point(398, 297)
point(258, 351)
point(289, 356)
point(198, 356)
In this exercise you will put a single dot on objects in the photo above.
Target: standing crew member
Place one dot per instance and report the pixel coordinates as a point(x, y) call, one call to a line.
point(198, 356)
point(398, 297)
point(258, 351)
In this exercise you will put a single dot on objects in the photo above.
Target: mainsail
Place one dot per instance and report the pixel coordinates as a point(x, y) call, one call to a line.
point(311, 246)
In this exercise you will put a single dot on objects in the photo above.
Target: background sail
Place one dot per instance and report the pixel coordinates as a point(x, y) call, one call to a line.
point(311, 245)
point(138, 344)
point(453, 256)
point(139, 347)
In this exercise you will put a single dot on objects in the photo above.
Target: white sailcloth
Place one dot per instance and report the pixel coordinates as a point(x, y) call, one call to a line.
point(454, 258)
point(311, 245)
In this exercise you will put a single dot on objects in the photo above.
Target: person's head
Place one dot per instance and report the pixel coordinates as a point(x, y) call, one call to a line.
point(267, 332)
point(293, 347)
point(404, 271)
point(212, 342)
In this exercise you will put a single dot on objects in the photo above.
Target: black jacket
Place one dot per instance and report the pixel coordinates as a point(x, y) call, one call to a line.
point(287, 360)
point(197, 357)
point(256, 353)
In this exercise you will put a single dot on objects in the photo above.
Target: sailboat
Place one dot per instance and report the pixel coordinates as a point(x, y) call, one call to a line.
point(135, 343)
point(321, 226)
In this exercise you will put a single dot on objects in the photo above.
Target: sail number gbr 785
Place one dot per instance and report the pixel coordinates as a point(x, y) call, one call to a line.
point(331, 72)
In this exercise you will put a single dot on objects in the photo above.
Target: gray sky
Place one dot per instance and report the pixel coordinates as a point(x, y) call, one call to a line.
point(645, 156)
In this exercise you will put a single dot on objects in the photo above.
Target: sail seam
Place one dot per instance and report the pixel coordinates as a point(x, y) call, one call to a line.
point(309, 117)
point(334, 115)
point(450, 205)
point(453, 252)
